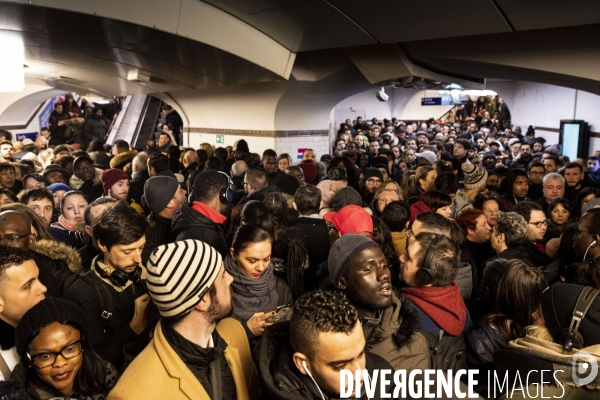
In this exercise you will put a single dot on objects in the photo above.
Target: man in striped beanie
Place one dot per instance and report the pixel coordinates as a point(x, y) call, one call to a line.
point(196, 350)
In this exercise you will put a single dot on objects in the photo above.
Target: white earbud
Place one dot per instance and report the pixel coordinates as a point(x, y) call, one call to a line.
point(313, 379)
point(588, 249)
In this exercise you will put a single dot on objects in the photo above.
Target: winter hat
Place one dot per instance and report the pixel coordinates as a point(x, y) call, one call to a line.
point(112, 176)
point(344, 197)
point(489, 154)
point(328, 190)
point(37, 177)
point(428, 155)
point(337, 174)
point(56, 187)
point(55, 167)
point(241, 145)
point(475, 176)
point(158, 192)
point(180, 274)
point(27, 141)
point(89, 104)
point(350, 219)
point(558, 303)
point(530, 131)
point(343, 251)
point(47, 311)
point(80, 159)
point(326, 158)
point(513, 141)
point(288, 184)
point(311, 173)
point(373, 172)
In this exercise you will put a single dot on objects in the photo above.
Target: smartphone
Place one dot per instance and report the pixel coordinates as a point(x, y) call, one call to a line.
point(280, 313)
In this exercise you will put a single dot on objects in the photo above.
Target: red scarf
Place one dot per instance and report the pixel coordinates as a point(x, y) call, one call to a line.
point(208, 212)
point(442, 304)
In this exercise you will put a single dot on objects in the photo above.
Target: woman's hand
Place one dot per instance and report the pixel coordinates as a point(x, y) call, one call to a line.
point(258, 322)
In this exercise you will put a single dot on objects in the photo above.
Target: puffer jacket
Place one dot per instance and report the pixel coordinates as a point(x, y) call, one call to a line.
point(189, 224)
point(279, 377)
point(397, 338)
point(74, 131)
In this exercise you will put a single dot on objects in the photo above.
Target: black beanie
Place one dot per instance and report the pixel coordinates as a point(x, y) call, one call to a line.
point(288, 184)
point(43, 314)
point(558, 303)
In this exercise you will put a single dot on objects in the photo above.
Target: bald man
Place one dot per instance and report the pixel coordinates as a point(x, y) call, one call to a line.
point(15, 230)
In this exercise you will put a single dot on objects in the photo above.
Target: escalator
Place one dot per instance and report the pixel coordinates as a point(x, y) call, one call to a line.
point(147, 127)
point(137, 121)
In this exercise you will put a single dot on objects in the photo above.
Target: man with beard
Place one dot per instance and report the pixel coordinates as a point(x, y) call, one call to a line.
point(523, 158)
point(96, 127)
point(203, 218)
point(358, 268)
point(576, 181)
point(115, 183)
point(536, 174)
point(112, 294)
point(7, 151)
point(197, 352)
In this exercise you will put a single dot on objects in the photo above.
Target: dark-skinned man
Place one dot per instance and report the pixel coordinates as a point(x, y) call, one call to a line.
point(269, 165)
point(358, 268)
point(15, 230)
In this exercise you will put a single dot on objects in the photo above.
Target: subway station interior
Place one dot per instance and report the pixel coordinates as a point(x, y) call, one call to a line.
point(286, 73)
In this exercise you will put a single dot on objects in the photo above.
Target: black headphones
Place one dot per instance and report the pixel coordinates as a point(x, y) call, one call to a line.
point(226, 194)
point(424, 274)
point(571, 338)
point(120, 278)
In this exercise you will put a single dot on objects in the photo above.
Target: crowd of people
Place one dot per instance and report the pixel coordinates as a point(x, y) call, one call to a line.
point(219, 273)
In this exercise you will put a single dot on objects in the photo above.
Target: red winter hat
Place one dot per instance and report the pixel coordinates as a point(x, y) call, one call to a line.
point(351, 218)
point(112, 176)
point(311, 173)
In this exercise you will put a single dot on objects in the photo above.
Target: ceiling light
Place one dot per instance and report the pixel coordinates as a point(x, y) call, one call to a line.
point(12, 75)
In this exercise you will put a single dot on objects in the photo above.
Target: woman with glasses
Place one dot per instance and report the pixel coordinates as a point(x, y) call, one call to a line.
point(55, 358)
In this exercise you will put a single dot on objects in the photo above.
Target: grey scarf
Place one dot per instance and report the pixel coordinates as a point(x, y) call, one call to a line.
point(251, 295)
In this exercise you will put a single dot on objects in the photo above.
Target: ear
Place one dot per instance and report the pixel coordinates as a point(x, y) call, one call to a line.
point(295, 206)
point(1, 304)
point(101, 247)
point(342, 283)
point(321, 205)
point(88, 230)
point(298, 358)
point(232, 254)
point(406, 226)
point(170, 204)
point(32, 239)
point(470, 232)
point(204, 304)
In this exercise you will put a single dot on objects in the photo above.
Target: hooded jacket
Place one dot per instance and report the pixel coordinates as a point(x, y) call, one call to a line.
point(122, 159)
point(440, 308)
point(397, 338)
point(279, 377)
point(190, 224)
point(59, 252)
point(508, 201)
point(95, 129)
point(92, 190)
point(418, 208)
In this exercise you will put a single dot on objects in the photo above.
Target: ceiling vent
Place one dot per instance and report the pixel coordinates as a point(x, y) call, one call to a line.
point(138, 75)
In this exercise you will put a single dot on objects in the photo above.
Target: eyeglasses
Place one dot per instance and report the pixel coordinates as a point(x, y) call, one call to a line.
point(11, 240)
point(540, 224)
point(44, 360)
point(374, 181)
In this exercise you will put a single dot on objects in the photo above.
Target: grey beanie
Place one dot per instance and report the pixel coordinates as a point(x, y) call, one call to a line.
point(343, 252)
point(158, 192)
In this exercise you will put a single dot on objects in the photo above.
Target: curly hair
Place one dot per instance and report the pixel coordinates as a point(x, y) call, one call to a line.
point(513, 226)
point(316, 312)
point(12, 257)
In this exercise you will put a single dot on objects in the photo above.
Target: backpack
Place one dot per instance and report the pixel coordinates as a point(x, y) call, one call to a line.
point(104, 298)
point(447, 352)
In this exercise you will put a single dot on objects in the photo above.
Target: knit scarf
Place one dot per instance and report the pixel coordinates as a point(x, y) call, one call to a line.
point(442, 304)
point(69, 224)
point(251, 295)
point(208, 212)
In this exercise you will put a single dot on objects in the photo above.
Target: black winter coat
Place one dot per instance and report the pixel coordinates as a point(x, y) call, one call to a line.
point(189, 224)
point(158, 233)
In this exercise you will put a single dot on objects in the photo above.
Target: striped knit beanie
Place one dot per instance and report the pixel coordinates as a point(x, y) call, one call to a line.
point(180, 274)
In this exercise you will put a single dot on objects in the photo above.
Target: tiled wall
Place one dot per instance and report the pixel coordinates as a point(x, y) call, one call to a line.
point(291, 144)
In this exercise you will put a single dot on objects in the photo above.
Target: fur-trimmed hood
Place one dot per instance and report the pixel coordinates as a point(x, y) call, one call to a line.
point(59, 251)
point(399, 321)
point(77, 183)
point(77, 121)
point(122, 159)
